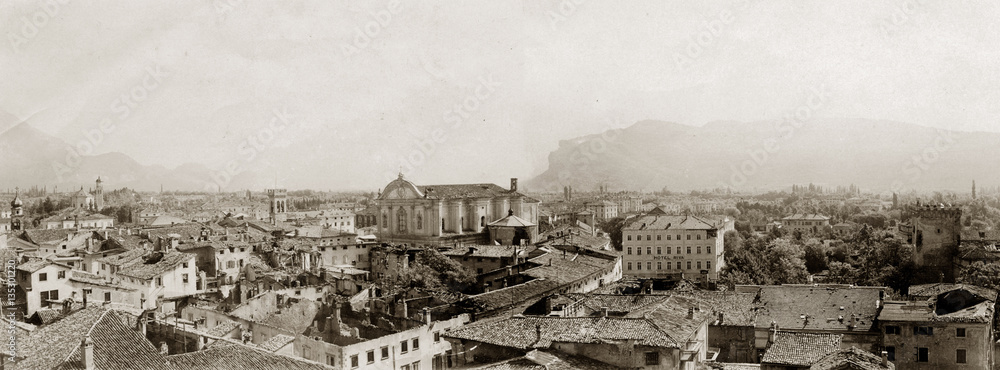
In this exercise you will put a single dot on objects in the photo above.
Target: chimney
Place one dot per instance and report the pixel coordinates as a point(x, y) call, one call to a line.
point(885, 358)
point(604, 312)
point(88, 353)
point(513, 184)
point(538, 333)
point(720, 319)
point(336, 317)
point(690, 313)
point(164, 349)
point(773, 332)
point(427, 315)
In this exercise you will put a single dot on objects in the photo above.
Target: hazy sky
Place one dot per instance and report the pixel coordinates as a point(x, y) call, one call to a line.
point(359, 85)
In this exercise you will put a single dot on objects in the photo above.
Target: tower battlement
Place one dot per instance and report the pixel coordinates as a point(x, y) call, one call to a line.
point(929, 211)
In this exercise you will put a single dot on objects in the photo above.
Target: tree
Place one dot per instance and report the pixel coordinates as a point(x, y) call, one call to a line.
point(815, 256)
point(981, 273)
point(614, 229)
point(785, 262)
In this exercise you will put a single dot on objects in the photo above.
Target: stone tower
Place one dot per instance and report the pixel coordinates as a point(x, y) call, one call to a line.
point(16, 212)
point(99, 195)
point(278, 205)
point(936, 236)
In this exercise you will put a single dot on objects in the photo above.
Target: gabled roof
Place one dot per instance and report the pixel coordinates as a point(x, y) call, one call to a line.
point(932, 290)
point(550, 360)
point(226, 355)
point(493, 251)
point(139, 269)
point(806, 217)
point(800, 349)
point(810, 307)
point(511, 221)
point(37, 264)
point(39, 236)
point(521, 332)
point(655, 222)
point(116, 346)
point(852, 358)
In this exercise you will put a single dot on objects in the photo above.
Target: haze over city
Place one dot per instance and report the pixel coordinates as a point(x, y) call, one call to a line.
point(357, 88)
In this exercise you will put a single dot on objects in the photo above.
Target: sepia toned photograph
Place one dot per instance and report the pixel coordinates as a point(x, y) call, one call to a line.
point(500, 185)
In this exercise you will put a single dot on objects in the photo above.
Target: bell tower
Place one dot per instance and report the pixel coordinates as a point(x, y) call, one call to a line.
point(99, 195)
point(279, 205)
point(16, 212)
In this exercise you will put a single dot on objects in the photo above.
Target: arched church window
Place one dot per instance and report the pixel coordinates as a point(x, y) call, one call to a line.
point(401, 220)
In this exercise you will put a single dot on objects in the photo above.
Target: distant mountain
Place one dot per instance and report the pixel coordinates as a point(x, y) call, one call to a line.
point(31, 157)
point(877, 155)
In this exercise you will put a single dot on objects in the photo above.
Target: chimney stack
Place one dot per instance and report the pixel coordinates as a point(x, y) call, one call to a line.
point(720, 318)
point(538, 333)
point(604, 312)
point(164, 349)
point(88, 353)
point(885, 358)
point(773, 332)
point(690, 313)
point(427, 315)
point(513, 184)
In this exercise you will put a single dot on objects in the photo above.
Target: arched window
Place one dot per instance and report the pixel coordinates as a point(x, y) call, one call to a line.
point(420, 221)
point(401, 220)
point(482, 221)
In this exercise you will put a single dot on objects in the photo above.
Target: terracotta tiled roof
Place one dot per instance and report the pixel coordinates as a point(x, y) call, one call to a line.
point(116, 346)
point(800, 349)
point(38, 236)
point(680, 317)
point(122, 259)
point(225, 355)
point(738, 309)
point(520, 332)
point(511, 221)
point(88, 278)
point(276, 342)
point(818, 307)
point(933, 290)
point(656, 222)
point(806, 217)
point(496, 251)
point(145, 271)
point(922, 311)
point(35, 265)
point(852, 358)
point(223, 328)
point(544, 360)
point(616, 302)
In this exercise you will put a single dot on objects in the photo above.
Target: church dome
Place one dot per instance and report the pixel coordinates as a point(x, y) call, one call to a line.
point(16, 203)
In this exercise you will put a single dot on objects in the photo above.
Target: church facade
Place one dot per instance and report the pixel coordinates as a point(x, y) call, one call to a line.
point(443, 215)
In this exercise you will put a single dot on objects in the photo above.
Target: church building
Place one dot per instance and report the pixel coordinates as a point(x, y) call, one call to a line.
point(447, 215)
